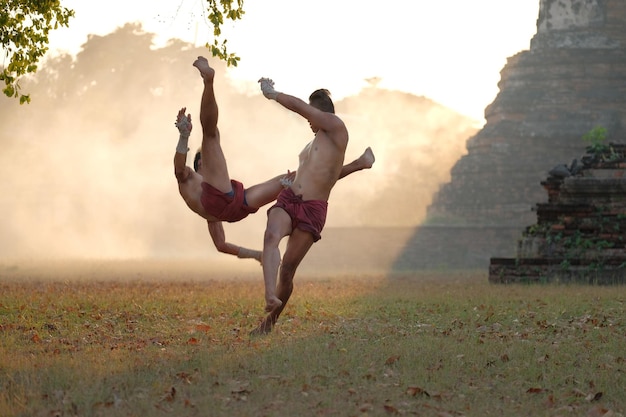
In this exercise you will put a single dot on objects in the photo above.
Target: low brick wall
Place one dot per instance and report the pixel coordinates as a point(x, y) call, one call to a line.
point(579, 234)
point(557, 270)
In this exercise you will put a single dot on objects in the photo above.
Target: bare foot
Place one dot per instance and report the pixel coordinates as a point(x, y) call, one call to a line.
point(272, 303)
point(263, 329)
point(206, 71)
point(368, 158)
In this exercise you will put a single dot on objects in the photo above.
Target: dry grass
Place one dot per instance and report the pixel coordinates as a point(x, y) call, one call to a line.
point(136, 340)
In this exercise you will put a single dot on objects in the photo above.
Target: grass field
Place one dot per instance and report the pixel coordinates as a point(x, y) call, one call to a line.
point(119, 339)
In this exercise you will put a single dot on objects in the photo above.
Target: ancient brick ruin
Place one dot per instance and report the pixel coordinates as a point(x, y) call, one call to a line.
point(570, 81)
point(580, 233)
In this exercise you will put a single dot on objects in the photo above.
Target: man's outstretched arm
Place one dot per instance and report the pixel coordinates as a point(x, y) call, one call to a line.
point(216, 230)
point(183, 123)
point(326, 121)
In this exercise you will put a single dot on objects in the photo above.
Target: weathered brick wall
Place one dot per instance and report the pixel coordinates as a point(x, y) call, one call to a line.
point(580, 232)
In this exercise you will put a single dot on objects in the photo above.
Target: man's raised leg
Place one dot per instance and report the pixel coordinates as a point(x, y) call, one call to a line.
point(213, 169)
point(365, 161)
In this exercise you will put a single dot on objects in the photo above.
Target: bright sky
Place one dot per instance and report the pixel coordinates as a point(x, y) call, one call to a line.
point(450, 51)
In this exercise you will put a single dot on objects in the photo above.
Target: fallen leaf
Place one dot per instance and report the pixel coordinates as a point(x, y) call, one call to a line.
point(599, 411)
point(203, 328)
point(543, 359)
point(593, 397)
point(185, 377)
point(240, 391)
point(365, 407)
point(578, 393)
point(414, 391)
point(392, 359)
point(169, 395)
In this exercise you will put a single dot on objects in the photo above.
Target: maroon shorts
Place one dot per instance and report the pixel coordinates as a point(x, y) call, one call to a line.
point(309, 215)
point(227, 207)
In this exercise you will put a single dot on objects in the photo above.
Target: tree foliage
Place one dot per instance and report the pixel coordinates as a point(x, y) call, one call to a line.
point(24, 28)
point(25, 24)
point(218, 10)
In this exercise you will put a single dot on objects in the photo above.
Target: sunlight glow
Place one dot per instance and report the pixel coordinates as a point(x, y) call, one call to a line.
point(450, 51)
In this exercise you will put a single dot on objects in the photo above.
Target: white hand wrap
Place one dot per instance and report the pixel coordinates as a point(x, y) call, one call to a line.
point(245, 253)
point(267, 88)
point(184, 128)
point(286, 182)
point(182, 146)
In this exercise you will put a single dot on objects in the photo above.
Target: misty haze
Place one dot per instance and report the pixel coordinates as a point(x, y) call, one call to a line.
point(87, 167)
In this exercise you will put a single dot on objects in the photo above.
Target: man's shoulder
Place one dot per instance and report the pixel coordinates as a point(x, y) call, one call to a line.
point(188, 176)
point(339, 135)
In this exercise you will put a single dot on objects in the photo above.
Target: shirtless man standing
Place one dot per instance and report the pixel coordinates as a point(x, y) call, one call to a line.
point(208, 189)
point(300, 210)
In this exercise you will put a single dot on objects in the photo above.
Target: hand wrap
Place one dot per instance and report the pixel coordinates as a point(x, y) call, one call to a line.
point(245, 253)
point(184, 128)
point(267, 88)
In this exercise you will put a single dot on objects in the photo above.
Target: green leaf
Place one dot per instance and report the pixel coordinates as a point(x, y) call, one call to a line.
point(9, 90)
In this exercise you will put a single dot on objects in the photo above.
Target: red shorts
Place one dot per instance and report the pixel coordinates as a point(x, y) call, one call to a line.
point(227, 207)
point(309, 215)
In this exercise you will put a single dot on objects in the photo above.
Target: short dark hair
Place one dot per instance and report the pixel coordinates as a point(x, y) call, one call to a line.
point(196, 159)
point(320, 99)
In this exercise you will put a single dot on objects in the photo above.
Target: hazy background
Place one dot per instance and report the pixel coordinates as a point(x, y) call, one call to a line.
point(87, 169)
point(451, 51)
